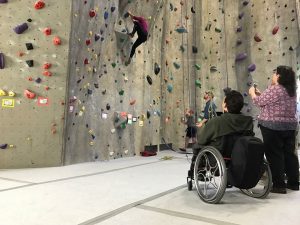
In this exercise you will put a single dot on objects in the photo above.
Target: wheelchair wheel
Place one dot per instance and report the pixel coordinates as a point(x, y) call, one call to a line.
point(210, 175)
point(263, 187)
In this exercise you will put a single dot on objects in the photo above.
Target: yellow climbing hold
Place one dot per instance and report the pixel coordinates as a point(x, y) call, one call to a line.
point(2, 92)
point(11, 94)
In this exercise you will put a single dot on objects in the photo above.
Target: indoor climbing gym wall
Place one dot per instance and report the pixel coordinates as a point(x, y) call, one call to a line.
point(34, 44)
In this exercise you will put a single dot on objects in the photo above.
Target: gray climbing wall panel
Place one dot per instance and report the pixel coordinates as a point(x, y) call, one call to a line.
point(32, 130)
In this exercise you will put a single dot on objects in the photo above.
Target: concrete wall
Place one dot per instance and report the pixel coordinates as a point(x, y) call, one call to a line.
point(189, 40)
point(33, 133)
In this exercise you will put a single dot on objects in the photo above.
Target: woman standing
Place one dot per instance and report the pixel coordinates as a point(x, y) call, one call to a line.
point(278, 123)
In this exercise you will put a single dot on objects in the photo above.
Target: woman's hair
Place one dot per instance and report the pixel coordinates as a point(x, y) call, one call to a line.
point(287, 79)
point(234, 101)
point(210, 93)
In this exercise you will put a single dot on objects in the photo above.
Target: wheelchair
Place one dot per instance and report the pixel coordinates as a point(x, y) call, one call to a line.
point(212, 173)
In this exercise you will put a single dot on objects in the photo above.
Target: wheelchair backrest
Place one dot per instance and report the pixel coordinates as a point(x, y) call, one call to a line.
point(246, 162)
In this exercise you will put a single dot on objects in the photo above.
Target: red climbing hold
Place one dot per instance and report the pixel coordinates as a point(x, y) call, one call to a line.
point(47, 73)
point(257, 38)
point(275, 30)
point(88, 42)
point(56, 41)
point(39, 5)
point(92, 13)
point(29, 94)
point(47, 31)
point(47, 66)
point(86, 61)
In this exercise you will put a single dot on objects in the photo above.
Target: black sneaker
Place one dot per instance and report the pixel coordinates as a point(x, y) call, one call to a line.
point(278, 190)
point(292, 187)
point(182, 149)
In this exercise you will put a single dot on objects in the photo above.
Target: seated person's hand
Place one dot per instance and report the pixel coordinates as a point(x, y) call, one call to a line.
point(199, 124)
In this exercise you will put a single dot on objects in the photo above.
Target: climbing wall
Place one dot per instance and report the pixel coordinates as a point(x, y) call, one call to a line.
point(113, 109)
point(34, 43)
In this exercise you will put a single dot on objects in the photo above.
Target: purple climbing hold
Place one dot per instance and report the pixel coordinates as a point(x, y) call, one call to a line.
point(239, 29)
point(251, 67)
point(241, 15)
point(3, 1)
point(2, 62)
point(38, 80)
point(112, 9)
point(3, 146)
point(241, 57)
point(21, 28)
point(105, 15)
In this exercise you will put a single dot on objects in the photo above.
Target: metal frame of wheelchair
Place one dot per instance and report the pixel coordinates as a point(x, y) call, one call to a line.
point(211, 180)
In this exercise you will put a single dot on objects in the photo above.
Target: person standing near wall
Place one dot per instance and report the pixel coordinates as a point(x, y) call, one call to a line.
point(191, 130)
point(141, 28)
point(209, 109)
point(278, 124)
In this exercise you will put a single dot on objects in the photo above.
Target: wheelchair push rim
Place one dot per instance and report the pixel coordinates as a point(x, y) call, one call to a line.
point(210, 175)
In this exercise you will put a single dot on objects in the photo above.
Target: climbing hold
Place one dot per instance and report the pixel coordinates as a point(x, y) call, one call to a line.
point(241, 15)
point(56, 40)
point(239, 42)
point(245, 3)
point(88, 42)
point(182, 49)
point(181, 30)
point(38, 80)
point(194, 49)
point(113, 64)
point(107, 106)
point(21, 28)
point(170, 88)
point(218, 30)
point(148, 114)
point(92, 13)
point(156, 68)
point(112, 9)
point(39, 4)
point(149, 79)
point(2, 61)
point(47, 73)
point(197, 66)
point(239, 29)
point(171, 7)
point(132, 102)
point(121, 92)
point(3, 1)
point(126, 15)
point(29, 63)
point(3, 146)
point(257, 38)
point(275, 30)
point(198, 83)
point(97, 37)
point(208, 26)
point(213, 69)
point(29, 46)
point(47, 65)
point(105, 15)
point(251, 67)
point(2, 92)
point(11, 94)
point(176, 65)
point(241, 57)
point(29, 94)
point(193, 10)
point(86, 61)
point(47, 31)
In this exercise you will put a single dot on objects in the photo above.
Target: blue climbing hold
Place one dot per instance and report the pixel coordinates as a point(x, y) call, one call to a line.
point(105, 15)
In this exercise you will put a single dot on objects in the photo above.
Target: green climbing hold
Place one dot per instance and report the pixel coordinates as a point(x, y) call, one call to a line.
point(198, 83)
point(198, 67)
point(181, 30)
point(218, 30)
point(113, 64)
point(176, 65)
point(170, 88)
point(121, 92)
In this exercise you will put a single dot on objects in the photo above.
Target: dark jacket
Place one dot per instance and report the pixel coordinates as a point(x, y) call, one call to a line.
point(219, 126)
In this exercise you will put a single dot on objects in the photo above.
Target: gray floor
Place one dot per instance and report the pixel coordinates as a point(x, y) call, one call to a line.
point(130, 191)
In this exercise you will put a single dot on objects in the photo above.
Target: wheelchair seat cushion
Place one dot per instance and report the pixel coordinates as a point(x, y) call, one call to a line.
point(246, 162)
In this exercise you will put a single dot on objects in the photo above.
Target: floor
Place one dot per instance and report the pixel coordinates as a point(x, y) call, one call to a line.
point(130, 191)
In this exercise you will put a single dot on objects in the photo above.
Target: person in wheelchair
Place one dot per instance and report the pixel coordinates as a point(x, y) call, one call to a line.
point(231, 121)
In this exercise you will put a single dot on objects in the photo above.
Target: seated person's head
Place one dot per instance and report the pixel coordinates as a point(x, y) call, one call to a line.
point(189, 112)
point(208, 95)
point(233, 102)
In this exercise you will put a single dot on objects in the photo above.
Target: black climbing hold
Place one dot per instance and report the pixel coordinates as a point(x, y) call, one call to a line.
point(2, 62)
point(38, 80)
point(93, 136)
point(29, 20)
point(104, 92)
point(239, 42)
point(156, 68)
point(29, 63)
point(96, 85)
point(171, 7)
point(126, 15)
point(148, 114)
point(195, 49)
point(29, 46)
point(89, 91)
point(107, 106)
point(149, 79)
point(78, 81)
point(291, 48)
point(193, 10)
point(97, 37)
point(112, 9)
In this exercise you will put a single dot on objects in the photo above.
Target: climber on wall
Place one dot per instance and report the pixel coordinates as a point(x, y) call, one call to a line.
point(141, 27)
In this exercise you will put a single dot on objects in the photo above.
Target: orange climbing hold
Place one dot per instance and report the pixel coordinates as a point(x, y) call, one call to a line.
point(132, 102)
point(47, 73)
point(29, 94)
point(47, 65)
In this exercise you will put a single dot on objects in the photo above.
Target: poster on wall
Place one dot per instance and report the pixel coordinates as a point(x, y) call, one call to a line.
point(43, 101)
point(8, 103)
